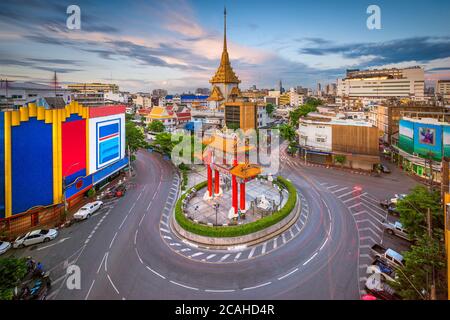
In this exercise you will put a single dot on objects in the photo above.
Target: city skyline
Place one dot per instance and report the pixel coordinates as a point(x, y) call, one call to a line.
point(176, 45)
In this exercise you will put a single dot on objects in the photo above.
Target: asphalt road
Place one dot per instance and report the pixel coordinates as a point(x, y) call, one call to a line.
point(123, 251)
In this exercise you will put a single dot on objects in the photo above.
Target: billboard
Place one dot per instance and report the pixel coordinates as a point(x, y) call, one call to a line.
point(107, 141)
point(428, 140)
point(406, 136)
point(446, 138)
point(423, 139)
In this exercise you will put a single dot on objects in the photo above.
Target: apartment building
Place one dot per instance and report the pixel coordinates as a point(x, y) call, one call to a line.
point(361, 89)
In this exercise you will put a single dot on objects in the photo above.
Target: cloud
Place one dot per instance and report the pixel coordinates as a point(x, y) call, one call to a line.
point(421, 49)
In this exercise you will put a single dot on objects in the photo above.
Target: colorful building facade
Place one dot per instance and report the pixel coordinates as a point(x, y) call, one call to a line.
point(52, 156)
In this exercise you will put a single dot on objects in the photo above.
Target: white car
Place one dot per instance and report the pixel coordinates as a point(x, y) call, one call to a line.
point(4, 246)
point(34, 237)
point(398, 197)
point(87, 210)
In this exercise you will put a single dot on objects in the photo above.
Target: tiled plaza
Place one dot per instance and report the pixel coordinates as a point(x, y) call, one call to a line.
point(203, 211)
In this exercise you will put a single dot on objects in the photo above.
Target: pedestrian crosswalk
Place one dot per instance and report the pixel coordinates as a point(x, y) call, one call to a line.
point(368, 217)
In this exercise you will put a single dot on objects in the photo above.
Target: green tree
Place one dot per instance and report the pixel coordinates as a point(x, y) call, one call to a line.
point(163, 141)
point(287, 132)
point(12, 271)
point(156, 126)
point(414, 279)
point(135, 138)
point(270, 108)
point(340, 158)
point(413, 211)
point(303, 110)
point(128, 117)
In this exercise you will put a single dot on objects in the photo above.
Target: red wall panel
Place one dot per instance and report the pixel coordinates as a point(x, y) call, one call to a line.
point(73, 147)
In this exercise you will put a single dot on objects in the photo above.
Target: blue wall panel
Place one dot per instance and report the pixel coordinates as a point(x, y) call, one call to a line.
point(32, 165)
point(2, 166)
point(106, 172)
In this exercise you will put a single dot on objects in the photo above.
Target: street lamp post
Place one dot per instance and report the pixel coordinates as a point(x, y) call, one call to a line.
point(216, 207)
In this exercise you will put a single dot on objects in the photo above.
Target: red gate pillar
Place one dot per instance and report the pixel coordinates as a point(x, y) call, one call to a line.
point(242, 187)
point(209, 180)
point(216, 182)
point(234, 193)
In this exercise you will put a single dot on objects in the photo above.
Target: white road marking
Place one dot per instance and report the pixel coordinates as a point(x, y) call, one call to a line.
point(164, 223)
point(164, 230)
point(139, 257)
point(237, 256)
point(101, 262)
point(159, 275)
point(131, 207)
point(371, 222)
point(135, 236)
point(332, 187)
point(264, 248)
point(324, 243)
point(360, 212)
point(123, 221)
point(251, 253)
point(219, 291)
point(224, 257)
point(287, 275)
point(175, 244)
point(184, 286)
point(51, 245)
point(112, 241)
point(258, 286)
point(167, 237)
point(351, 199)
point(113, 284)
point(142, 219)
point(210, 256)
point(342, 189)
point(185, 249)
point(296, 227)
point(345, 194)
point(196, 254)
point(140, 194)
point(284, 238)
point(90, 288)
point(275, 244)
point(148, 207)
point(106, 261)
point(354, 206)
point(292, 234)
point(309, 260)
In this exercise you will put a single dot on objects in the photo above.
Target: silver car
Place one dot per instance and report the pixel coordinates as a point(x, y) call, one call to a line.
point(396, 229)
point(4, 246)
point(34, 237)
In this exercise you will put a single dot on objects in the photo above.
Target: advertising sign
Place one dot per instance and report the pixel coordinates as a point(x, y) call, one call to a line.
point(406, 136)
point(428, 140)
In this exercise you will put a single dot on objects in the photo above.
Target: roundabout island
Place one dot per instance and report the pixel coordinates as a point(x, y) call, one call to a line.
point(210, 214)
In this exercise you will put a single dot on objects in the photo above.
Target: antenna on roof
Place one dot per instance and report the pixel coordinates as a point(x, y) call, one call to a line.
point(55, 82)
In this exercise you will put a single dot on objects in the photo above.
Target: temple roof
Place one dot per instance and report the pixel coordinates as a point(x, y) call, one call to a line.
point(225, 73)
point(216, 94)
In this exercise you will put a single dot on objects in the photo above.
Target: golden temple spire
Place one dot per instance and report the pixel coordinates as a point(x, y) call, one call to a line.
point(225, 29)
point(225, 73)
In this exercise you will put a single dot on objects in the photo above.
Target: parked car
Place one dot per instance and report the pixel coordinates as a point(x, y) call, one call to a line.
point(377, 285)
point(87, 210)
point(379, 266)
point(4, 246)
point(34, 237)
point(396, 229)
point(392, 210)
point(398, 197)
point(388, 256)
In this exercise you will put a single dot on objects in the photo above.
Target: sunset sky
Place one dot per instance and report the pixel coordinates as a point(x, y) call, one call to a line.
point(176, 44)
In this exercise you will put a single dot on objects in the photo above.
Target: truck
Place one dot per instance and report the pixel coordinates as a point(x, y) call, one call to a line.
point(396, 229)
point(388, 256)
point(377, 285)
point(379, 266)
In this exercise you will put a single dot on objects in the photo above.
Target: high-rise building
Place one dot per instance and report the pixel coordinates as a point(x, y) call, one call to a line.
point(159, 93)
point(369, 87)
point(443, 90)
point(93, 87)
